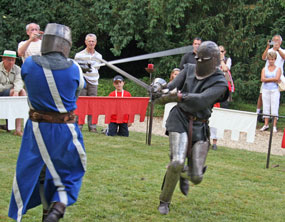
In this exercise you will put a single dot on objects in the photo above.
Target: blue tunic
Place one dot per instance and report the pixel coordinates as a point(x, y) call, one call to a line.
point(58, 146)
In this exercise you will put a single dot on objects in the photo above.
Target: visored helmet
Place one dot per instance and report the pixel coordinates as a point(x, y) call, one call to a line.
point(56, 38)
point(208, 59)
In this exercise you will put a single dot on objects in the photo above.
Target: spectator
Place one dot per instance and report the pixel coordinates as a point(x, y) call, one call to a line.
point(190, 56)
point(213, 132)
point(168, 106)
point(270, 76)
point(32, 46)
point(11, 83)
point(114, 125)
point(88, 61)
point(276, 42)
point(225, 66)
point(174, 73)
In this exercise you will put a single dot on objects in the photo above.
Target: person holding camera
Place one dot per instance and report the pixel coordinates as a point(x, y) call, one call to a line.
point(279, 62)
point(32, 46)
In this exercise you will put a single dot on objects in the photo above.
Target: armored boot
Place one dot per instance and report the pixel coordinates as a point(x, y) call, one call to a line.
point(184, 182)
point(56, 212)
point(45, 213)
point(163, 208)
point(184, 186)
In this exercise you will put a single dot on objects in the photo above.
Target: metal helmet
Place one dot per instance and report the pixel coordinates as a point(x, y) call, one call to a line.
point(56, 38)
point(208, 59)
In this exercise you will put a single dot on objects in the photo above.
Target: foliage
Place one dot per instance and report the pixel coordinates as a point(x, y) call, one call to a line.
point(124, 176)
point(134, 27)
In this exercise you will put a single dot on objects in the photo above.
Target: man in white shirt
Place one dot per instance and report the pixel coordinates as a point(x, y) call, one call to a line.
point(32, 46)
point(88, 60)
point(276, 42)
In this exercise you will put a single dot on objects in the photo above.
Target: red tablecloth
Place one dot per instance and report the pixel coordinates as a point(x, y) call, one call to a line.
point(95, 106)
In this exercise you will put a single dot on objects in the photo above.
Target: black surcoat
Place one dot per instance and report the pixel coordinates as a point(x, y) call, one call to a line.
point(198, 98)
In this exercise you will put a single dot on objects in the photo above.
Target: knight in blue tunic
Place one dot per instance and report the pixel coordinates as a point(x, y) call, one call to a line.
point(52, 159)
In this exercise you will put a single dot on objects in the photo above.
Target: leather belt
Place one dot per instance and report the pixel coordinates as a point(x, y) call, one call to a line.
point(52, 117)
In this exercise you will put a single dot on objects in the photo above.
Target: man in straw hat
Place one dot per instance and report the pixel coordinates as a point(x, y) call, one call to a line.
point(11, 83)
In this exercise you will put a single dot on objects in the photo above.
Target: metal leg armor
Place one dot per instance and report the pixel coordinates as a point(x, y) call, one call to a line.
point(178, 150)
point(197, 167)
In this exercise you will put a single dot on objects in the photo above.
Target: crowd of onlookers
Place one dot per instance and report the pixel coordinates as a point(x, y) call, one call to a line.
point(11, 83)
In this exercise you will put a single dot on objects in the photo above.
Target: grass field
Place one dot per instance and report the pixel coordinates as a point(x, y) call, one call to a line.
point(124, 176)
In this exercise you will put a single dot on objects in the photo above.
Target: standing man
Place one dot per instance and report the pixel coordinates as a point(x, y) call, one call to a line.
point(190, 56)
point(199, 87)
point(11, 83)
point(52, 159)
point(32, 46)
point(88, 60)
point(276, 43)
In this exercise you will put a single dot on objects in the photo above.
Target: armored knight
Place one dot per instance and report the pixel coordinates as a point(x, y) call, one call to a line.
point(52, 159)
point(196, 89)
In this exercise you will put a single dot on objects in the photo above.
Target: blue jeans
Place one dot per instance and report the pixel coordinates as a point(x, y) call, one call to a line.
point(113, 129)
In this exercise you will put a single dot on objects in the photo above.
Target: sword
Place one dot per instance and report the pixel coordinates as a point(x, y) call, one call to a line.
point(169, 52)
point(127, 75)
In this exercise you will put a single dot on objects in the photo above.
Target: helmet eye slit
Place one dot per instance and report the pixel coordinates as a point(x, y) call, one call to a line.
point(202, 59)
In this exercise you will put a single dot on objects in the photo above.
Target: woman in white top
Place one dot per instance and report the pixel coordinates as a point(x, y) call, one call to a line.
point(270, 76)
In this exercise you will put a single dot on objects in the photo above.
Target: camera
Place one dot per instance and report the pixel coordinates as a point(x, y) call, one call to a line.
point(271, 42)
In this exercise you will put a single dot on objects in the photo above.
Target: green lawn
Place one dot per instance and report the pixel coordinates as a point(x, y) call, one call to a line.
point(124, 176)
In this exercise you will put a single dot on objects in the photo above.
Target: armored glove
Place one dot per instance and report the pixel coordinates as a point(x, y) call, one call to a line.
point(169, 96)
point(86, 67)
point(157, 86)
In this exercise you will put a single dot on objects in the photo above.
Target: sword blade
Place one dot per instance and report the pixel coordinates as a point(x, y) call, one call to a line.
point(169, 52)
point(127, 75)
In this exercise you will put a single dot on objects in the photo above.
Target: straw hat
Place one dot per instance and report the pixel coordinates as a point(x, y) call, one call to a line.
point(9, 53)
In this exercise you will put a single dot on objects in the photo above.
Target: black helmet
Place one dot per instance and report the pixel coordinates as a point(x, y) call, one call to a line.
point(208, 59)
